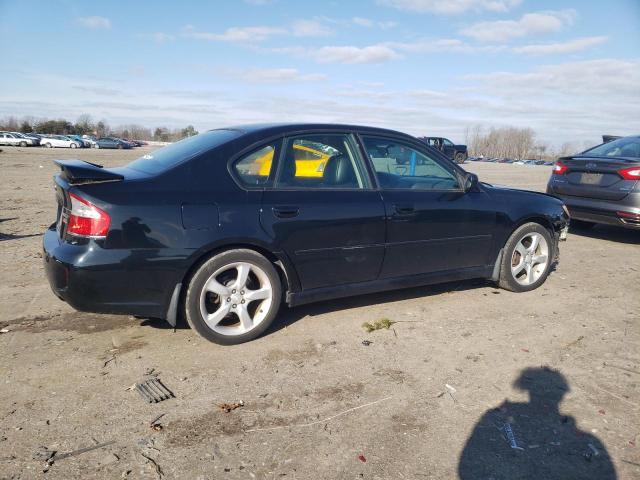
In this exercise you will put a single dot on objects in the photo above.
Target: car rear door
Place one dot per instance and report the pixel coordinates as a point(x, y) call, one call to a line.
point(323, 212)
point(432, 224)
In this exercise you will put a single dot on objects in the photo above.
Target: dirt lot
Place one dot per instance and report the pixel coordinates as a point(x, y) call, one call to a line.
point(318, 403)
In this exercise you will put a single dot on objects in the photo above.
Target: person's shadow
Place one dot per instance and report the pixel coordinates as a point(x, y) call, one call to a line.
point(534, 440)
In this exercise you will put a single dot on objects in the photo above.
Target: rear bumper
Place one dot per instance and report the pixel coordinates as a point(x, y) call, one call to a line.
point(624, 213)
point(93, 279)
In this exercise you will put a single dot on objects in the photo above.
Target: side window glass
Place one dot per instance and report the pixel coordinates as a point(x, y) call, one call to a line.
point(254, 169)
point(321, 161)
point(399, 166)
point(448, 142)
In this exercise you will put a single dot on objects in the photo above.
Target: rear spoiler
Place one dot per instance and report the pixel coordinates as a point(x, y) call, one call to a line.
point(78, 172)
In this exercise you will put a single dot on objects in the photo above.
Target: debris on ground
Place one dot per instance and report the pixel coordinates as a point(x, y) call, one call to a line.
point(52, 456)
point(155, 424)
point(154, 391)
point(378, 325)
point(366, 343)
point(153, 464)
point(508, 431)
point(593, 452)
point(5, 330)
point(227, 407)
point(362, 458)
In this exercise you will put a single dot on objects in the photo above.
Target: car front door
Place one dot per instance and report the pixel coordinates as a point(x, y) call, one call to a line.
point(433, 225)
point(448, 148)
point(323, 211)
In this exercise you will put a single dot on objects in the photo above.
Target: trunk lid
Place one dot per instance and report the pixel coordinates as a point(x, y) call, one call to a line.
point(595, 177)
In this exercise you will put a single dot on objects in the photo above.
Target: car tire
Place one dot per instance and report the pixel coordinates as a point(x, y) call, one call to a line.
point(524, 265)
point(23, 144)
point(48, 145)
point(96, 146)
point(119, 146)
point(460, 158)
point(581, 224)
point(73, 145)
point(240, 292)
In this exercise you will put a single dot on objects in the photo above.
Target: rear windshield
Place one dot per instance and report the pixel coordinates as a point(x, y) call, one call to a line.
point(622, 147)
point(164, 158)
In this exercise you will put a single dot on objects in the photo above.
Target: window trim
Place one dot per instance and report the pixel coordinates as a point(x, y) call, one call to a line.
point(369, 186)
point(429, 152)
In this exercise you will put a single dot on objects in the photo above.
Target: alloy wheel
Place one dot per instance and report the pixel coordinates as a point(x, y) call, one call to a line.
point(530, 258)
point(236, 298)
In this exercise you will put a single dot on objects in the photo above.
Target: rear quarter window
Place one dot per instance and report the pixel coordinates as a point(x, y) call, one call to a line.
point(165, 158)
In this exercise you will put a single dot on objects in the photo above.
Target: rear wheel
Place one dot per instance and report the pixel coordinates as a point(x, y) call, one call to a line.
point(233, 297)
point(119, 146)
point(96, 146)
point(23, 144)
point(527, 258)
point(73, 145)
point(460, 158)
point(48, 145)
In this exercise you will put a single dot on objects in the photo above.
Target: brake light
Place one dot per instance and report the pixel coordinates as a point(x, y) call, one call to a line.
point(87, 220)
point(559, 168)
point(631, 173)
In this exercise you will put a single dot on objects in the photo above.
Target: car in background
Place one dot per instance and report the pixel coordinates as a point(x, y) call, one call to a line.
point(17, 140)
point(83, 143)
point(111, 142)
point(59, 141)
point(602, 184)
point(199, 230)
point(457, 153)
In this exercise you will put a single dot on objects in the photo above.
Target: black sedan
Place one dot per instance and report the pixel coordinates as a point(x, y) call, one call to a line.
point(222, 227)
point(602, 184)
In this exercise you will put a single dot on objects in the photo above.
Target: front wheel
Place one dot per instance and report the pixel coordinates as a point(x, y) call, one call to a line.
point(73, 145)
point(233, 297)
point(48, 145)
point(527, 258)
point(23, 144)
point(96, 146)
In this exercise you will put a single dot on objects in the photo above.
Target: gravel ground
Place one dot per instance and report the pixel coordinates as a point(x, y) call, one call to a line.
point(427, 398)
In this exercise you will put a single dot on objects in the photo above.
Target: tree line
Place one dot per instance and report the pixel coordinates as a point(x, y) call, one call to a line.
point(511, 142)
point(85, 125)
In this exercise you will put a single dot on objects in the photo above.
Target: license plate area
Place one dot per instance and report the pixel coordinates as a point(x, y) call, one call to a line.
point(591, 178)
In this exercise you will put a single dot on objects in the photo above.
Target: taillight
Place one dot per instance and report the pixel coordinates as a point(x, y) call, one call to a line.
point(559, 168)
point(631, 173)
point(87, 220)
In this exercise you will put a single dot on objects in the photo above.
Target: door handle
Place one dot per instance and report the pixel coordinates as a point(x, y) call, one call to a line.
point(286, 212)
point(404, 210)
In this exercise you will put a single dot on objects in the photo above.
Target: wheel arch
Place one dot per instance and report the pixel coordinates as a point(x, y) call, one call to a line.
point(281, 263)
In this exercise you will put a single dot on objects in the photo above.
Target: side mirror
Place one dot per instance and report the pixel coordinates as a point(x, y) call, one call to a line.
point(470, 182)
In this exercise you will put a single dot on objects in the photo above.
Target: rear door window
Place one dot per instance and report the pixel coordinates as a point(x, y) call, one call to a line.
point(255, 169)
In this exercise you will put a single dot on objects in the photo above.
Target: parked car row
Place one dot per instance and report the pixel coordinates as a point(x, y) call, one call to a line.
point(18, 139)
point(513, 161)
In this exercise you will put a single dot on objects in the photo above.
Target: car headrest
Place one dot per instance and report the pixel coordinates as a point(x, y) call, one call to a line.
point(339, 171)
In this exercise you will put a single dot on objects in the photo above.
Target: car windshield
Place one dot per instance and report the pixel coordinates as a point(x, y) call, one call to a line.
point(622, 147)
point(169, 156)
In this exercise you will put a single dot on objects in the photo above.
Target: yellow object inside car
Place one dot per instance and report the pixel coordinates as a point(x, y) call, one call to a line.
point(309, 162)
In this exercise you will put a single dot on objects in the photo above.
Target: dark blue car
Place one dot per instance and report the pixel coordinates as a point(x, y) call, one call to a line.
point(222, 227)
point(110, 142)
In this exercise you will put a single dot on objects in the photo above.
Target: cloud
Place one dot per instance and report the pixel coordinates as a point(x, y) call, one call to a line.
point(158, 37)
point(529, 24)
point(279, 75)
point(235, 34)
point(351, 54)
point(310, 28)
point(368, 23)
point(571, 46)
point(94, 22)
point(451, 7)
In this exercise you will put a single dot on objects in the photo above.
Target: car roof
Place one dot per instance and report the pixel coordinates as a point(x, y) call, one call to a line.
point(268, 129)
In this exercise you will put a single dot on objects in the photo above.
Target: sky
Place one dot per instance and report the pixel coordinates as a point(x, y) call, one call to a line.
point(570, 70)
